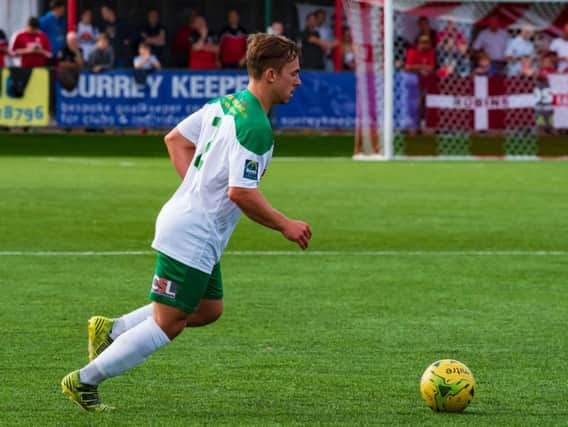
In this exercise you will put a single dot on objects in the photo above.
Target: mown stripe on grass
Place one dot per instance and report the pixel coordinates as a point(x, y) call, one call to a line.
point(465, 253)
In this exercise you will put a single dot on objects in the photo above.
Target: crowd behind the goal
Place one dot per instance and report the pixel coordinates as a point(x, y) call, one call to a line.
point(493, 51)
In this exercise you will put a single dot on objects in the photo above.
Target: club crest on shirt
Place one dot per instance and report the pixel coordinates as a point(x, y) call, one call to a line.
point(251, 169)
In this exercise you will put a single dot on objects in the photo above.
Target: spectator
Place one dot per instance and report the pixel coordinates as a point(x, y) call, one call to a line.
point(54, 26)
point(153, 33)
point(450, 32)
point(451, 52)
point(424, 29)
point(452, 58)
point(69, 62)
point(347, 51)
point(547, 66)
point(560, 47)
point(520, 53)
point(422, 59)
point(493, 41)
point(145, 60)
point(324, 30)
point(322, 26)
point(31, 45)
point(182, 42)
point(87, 33)
point(483, 65)
point(3, 48)
point(117, 34)
point(276, 28)
point(233, 42)
point(102, 56)
point(542, 41)
point(204, 47)
point(71, 54)
point(313, 46)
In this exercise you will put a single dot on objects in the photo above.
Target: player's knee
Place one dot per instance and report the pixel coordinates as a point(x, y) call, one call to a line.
point(204, 317)
point(170, 320)
point(172, 328)
point(215, 315)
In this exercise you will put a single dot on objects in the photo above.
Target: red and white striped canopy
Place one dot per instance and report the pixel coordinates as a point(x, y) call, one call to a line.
point(542, 15)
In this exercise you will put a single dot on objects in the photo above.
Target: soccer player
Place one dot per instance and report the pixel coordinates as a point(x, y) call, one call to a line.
point(221, 153)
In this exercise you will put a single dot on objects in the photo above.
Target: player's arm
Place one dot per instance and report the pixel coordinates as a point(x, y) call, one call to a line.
point(181, 151)
point(256, 207)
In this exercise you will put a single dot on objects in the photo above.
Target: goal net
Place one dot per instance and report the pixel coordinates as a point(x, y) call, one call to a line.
point(460, 79)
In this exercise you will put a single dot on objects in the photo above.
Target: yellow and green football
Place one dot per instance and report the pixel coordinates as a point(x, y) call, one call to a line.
point(447, 386)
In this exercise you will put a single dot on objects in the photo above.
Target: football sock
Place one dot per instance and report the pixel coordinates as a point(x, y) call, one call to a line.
point(129, 320)
point(127, 351)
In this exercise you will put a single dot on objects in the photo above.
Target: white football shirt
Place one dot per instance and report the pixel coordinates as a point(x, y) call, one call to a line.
point(234, 144)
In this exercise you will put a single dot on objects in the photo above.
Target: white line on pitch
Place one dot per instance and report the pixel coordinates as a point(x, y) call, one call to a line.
point(298, 253)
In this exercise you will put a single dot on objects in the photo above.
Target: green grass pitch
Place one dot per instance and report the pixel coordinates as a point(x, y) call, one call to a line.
point(410, 262)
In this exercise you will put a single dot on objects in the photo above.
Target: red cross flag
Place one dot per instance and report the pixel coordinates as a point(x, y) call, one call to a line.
point(480, 103)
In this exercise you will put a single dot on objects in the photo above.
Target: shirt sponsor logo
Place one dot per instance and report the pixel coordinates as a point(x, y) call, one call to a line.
point(164, 287)
point(251, 169)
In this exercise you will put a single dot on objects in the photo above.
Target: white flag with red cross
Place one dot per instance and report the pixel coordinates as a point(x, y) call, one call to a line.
point(480, 103)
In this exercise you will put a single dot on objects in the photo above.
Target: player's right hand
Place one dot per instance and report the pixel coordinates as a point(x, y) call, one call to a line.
point(299, 232)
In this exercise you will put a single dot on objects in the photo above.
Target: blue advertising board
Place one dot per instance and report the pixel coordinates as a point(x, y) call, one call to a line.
point(116, 99)
point(324, 100)
point(164, 98)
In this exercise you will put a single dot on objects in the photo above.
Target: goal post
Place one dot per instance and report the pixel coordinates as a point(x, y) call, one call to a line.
point(487, 85)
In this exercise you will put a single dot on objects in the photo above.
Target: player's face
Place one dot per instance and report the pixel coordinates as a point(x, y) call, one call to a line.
point(287, 81)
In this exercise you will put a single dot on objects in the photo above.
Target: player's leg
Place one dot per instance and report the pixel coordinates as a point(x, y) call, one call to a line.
point(129, 320)
point(176, 292)
point(208, 311)
point(104, 330)
point(210, 306)
point(127, 351)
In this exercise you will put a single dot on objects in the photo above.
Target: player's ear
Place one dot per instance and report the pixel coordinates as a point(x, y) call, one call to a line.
point(270, 74)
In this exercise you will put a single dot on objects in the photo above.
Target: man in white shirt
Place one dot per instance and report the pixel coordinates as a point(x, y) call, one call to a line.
point(493, 41)
point(221, 152)
point(520, 53)
point(560, 47)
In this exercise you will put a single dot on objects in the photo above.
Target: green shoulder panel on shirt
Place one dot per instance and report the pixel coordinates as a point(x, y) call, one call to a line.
point(252, 125)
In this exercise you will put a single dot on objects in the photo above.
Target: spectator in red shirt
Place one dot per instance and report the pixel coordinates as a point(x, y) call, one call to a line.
point(233, 42)
point(31, 45)
point(3, 48)
point(204, 47)
point(182, 42)
point(422, 59)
